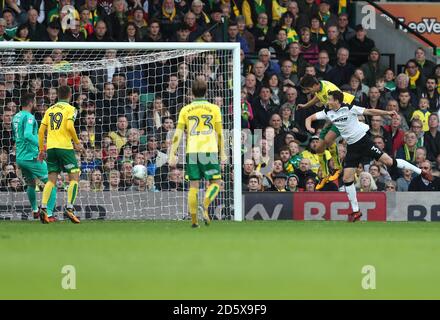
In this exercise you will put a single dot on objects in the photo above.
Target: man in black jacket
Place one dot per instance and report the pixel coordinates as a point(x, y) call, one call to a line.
point(432, 138)
point(420, 184)
point(263, 108)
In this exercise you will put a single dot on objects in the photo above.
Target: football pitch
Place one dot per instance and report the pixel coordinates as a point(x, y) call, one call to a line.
point(227, 260)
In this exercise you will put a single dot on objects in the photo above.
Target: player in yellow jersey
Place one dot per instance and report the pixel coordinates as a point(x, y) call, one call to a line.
point(329, 134)
point(59, 121)
point(202, 122)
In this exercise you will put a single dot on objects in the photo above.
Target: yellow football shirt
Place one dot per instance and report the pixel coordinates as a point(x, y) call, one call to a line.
point(200, 119)
point(56, 119)
point(326, 87)
point(314, 159)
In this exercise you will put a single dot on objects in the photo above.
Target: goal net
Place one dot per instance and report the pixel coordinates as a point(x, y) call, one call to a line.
point(128, 98)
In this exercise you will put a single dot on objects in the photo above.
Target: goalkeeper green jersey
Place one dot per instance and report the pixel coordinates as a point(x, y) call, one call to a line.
point(25, 129)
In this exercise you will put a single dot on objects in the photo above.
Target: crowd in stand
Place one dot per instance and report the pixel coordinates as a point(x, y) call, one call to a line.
point(281, 41)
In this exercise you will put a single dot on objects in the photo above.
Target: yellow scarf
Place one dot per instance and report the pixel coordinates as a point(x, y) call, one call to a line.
point(413, 79)
point(166, 15)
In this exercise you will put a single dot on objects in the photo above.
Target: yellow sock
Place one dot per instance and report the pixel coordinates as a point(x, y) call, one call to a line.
point(47, 191)
point(72, 191)
point(192, 203)
point(323, 164)
point(210, 195)
point(335, 156)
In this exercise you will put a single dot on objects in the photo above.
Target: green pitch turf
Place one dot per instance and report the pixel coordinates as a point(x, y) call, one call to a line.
point(228, 260)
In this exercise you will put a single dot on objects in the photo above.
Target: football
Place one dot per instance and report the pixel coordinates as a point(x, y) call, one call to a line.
point(139, 171)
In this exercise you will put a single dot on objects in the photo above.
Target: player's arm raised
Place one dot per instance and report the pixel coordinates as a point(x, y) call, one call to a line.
point(310, 103)
point(316, 116)
point(377, 112)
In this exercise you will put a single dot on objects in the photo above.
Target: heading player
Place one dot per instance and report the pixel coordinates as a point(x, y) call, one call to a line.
point(329, 134)
point(202, 122)
point(359, 143)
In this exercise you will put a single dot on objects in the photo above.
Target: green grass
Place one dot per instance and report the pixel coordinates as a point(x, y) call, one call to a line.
point(228, 260)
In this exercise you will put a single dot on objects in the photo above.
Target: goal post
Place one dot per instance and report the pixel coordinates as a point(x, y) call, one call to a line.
point(145, 69)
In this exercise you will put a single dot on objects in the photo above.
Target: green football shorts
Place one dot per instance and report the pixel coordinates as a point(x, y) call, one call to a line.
point(33, 169)
point(202, 165)
point(62, 160)
point(328, 128)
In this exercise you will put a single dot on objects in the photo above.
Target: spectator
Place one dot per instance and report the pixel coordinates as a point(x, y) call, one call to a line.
point(373, 69)
point(244, 33)
point(417, 128)
point(361, 76)
point(343, 70)
point(292, 183)
point(345, 31)
point(360, 47)
point(374, 101)
point(52, 32)
point(299, 64)
point(356, 90)
point(96, 181)
point(274, 84)
point(131, 33)
point(390, 78)
point(154, 32)
point(119, 136)
point(248, 168)
point(431, 94)
point(270, 66)
point(269, 178)
point(328, 19)
point(126, 175)
point(408, 150)
point(139, 21)
point(426, 66)
point(279, 183)
point(377, 177)
point(397, 134)
point(253, 9)
point(254, 184)
point(304, 172)
point(404, 181)
point(402, 83)
point(280, 44)
point(247, 114)
point(287, 22)
point(262, 32)
point(390, 186)
point(322, 67)
point(101, 33)
point(288, 75)
point(290, 100)
point(309, 50)
point(172, 96)
point(416, 77)
point(422, 113)
point(432, 138)
point(169, 17)
point(366, 183)
point(73, 34)
point(135, 111)
point(317, 33)
point(251, 87)
point(3, 35)
point(11, 24)
point(6, 129)
point(114, 181)
point(332, 44)
point(310, 184)
point(421, 184)
point(405, 106)
point(202, 19)
point(263, 108)
point(153, 156)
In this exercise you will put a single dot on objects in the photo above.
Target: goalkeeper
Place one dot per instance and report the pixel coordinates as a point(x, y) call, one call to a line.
point(58, 121)
point(204, 143)
point(25, 133)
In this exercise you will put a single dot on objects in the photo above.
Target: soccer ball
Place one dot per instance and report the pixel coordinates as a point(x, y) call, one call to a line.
point(139, 171)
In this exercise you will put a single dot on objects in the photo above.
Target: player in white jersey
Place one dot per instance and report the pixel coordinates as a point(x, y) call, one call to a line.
point(360, 145)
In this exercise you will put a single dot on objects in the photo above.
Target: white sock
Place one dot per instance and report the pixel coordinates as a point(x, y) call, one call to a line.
point(352, 196)
point(402, 164)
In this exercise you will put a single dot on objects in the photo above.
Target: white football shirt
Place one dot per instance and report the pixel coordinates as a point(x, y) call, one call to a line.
point(346, 120)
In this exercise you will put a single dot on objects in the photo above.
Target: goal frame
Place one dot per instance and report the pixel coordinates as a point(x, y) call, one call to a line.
point(234, 47)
